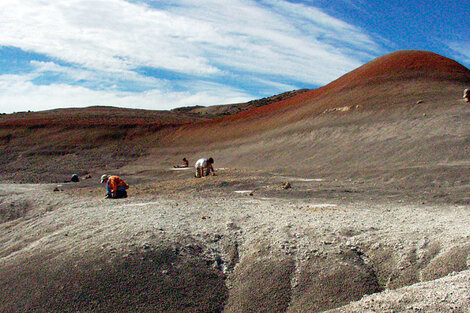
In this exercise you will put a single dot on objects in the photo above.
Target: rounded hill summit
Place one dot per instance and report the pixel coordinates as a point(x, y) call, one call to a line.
point(406, 64)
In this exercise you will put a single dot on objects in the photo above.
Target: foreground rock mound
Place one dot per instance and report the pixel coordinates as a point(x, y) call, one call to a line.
point(330, 281)
point(449, 294)
point(141, 281)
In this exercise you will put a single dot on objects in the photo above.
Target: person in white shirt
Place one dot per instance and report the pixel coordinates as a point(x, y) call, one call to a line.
point(466, 94)
point(204, 167)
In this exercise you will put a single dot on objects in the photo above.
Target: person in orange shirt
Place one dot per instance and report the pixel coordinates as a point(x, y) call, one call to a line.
point(115, 186)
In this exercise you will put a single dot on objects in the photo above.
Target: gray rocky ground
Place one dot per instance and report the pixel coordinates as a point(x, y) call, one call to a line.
point(236, 242)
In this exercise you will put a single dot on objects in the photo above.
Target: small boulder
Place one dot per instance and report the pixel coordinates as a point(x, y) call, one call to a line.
point(286, 185)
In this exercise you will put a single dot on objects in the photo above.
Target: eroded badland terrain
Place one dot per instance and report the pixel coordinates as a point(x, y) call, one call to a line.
point(353, 197)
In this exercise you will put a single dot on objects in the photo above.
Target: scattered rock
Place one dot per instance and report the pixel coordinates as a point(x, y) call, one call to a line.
point(219, 264)
point(340, 109)
point(232, 226)
point(216, 238)
point(75, 178)
point(286, 185)
point(233, 254)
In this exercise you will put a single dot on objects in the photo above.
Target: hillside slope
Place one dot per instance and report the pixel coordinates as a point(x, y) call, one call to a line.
point(48, 146)
point(400, 111)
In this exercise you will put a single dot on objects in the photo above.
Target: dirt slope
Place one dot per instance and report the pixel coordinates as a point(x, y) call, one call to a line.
point(399, 111)
point(49, 146)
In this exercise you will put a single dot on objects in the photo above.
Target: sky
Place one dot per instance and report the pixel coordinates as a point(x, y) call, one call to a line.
point(159, 55)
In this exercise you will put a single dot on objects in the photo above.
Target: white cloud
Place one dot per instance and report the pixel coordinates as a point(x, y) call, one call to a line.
point(463, 51)
point(107, 35)
point(267, 41)
point(279, 38)
point(113, 35)
point(20, 94)
point(81, 74)
point(276, 85)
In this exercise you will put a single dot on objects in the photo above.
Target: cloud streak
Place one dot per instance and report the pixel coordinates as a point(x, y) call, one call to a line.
point(21, 91)
point(102, 44)
point(461, 49)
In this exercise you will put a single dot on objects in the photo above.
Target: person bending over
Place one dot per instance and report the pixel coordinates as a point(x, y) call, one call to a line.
point(115, 186)
point(204, 167)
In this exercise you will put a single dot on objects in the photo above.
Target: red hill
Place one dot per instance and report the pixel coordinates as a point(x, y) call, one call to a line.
point(385, 111)
point(401, 66)
point(407, 64)
point(398, 78)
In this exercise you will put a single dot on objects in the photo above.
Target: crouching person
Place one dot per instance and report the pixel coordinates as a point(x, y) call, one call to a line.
point(182, 165)
point(204, 167)
point(115, 186)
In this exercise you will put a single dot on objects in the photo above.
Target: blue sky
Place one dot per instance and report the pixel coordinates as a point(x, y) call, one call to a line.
point(154, 54)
